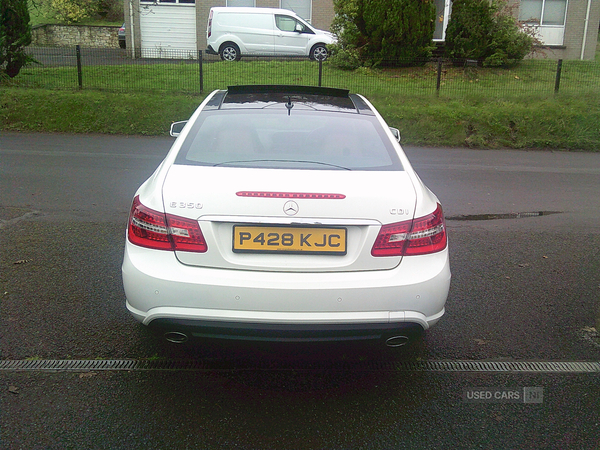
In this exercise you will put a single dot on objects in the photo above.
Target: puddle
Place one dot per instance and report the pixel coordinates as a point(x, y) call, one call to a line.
point(10, 216)
point(521, 215)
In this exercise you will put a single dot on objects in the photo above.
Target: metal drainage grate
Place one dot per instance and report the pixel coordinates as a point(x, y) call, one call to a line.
point(192, 365)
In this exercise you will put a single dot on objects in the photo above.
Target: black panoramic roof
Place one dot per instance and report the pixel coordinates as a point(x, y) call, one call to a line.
point(285, 89)
point(262, 96)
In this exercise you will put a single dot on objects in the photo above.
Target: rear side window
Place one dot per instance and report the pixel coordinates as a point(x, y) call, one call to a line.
point(300, 140)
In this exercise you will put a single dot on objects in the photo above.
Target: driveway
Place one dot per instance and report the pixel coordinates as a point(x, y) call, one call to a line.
point(79, 372)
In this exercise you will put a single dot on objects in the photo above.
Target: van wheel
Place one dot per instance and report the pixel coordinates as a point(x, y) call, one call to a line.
point(318, 52)
point(230, 52)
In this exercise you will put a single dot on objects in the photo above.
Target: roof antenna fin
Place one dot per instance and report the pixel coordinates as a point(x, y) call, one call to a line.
point(289, 105)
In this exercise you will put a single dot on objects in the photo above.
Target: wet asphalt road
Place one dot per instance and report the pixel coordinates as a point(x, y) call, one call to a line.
point(523, 289)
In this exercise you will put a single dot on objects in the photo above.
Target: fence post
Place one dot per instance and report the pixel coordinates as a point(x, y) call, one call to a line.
point(201, 73)
point(558, 71)
point(320, 70)
point(79, 73)
point(439, 76)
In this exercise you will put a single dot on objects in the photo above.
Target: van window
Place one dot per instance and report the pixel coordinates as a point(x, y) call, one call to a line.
point(287, 23)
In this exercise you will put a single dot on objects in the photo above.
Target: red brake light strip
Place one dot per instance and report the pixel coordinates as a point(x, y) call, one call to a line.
point(301, 195)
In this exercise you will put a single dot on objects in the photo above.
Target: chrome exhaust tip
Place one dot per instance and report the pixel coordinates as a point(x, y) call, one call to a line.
point(397, 341)
point(176, 337)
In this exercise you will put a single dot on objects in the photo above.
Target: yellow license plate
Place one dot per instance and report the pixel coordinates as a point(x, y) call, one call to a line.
point(298, 240)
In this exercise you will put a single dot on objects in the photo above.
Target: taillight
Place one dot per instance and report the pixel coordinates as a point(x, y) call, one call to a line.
point(210, 23)
point(419, 236)
point(159, 231)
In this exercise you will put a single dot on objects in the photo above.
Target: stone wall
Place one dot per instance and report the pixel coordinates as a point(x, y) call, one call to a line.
point(70, 35)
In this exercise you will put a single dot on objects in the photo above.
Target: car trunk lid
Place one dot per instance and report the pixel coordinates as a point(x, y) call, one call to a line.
point(288, 220)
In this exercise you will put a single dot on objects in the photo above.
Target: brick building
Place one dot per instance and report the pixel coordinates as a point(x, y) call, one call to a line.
point(568, 29)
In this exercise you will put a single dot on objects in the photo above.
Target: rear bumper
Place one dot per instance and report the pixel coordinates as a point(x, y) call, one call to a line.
point(211, 51)
point(161, 292)
point(284, 332)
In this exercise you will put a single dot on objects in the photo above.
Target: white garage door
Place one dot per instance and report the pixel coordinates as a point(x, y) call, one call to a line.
point(168, 31)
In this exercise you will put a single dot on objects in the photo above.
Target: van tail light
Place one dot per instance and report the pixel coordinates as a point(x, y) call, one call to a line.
point(210, 16)
point(420, 236)
point(159, 231)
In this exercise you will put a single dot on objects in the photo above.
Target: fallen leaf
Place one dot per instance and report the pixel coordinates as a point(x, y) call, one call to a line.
point(13, 389)
point(87, 374)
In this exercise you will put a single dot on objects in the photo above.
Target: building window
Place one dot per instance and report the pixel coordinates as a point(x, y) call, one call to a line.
point(543, 12)
point(546, 18)
point(301, 7)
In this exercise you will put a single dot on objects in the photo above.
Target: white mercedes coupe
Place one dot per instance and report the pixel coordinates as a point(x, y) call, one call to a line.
point(286, 213)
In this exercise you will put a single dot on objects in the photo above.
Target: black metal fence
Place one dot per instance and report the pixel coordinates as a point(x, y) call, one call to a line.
point(194, 72)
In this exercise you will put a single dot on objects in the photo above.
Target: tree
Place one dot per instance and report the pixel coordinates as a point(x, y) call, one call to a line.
point(15, 35)
point(486, 32)
point(468, 34)
point(384, 31)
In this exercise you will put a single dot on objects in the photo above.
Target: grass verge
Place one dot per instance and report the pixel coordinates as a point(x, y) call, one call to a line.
point(42, 110)
point(563, 122)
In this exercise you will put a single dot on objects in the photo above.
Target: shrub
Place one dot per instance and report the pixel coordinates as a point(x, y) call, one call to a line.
point(345, 58)
point(468, 34)
point(345, 54)
point(397, 29)
point(383, 31)
point(486, 32)
point(111, 10)
point(70, 11)
point(15, 35)
point(509, 44)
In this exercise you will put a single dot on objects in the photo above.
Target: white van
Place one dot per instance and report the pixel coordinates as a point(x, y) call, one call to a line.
point(233, 32)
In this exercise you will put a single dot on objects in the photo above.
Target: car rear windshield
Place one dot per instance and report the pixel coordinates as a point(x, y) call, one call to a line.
point(297, 139)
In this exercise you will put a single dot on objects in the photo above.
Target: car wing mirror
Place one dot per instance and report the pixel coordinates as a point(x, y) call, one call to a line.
point(176, 127)
point(396, 133)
